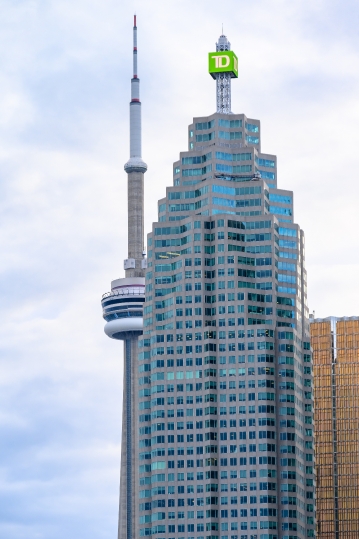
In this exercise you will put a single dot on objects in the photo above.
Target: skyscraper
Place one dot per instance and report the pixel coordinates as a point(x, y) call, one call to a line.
point(225, 384)
point(221, 403)
point(335, 343)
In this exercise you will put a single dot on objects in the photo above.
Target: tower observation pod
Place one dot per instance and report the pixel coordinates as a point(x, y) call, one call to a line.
point(223, 66)
point(123, 308)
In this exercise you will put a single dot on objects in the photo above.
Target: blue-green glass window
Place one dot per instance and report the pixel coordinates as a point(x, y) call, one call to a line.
point(223, 189)
point(196, 171)
point(196, 159)
point(285, 254)
point(280, 210)
point(252, 140)
point(204, 125)
point(288, 244)
point(265, 162)
point(283, 199)
point(234, 156)
point(267, 175)
point(230, 135)
point(287, 278)
point(229, 123)
point(286, 266)
point(288, 232)
point(233, 169)
point(236, 203)
point(252, 127)
point(205, 137)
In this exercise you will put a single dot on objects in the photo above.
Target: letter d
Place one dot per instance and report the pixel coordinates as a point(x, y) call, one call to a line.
point(224, 61)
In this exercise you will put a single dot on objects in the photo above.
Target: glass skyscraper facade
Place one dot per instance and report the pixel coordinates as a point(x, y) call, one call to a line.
point(335, 343)
point(224, 382)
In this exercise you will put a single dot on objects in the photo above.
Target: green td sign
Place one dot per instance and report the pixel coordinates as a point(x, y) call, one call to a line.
point(223, 62)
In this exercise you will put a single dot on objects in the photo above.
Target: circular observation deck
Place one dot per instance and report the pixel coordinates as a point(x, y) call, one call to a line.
point(123, 307)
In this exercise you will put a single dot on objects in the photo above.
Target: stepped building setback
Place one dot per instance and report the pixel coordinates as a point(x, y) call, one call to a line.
point(218, 409)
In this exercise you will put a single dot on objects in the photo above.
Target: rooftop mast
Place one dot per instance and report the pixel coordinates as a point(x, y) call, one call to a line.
point(223, 81)
point(222, 67)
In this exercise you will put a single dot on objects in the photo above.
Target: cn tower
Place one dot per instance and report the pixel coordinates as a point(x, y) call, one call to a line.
point(123, 310)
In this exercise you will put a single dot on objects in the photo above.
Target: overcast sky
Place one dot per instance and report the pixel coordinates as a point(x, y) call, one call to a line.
point(65, 69)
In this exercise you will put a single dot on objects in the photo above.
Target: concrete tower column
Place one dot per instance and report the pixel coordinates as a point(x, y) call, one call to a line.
point(129, 466)
point(135, 195)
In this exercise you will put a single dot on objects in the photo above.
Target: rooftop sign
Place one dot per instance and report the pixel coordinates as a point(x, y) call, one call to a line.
point(223, 62)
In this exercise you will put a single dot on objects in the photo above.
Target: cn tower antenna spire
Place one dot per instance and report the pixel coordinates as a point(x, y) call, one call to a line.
point(135, 161)
point(135, 168)
point(134, 47)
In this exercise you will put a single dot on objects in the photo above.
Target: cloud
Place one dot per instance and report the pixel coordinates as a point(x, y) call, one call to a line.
point(64, 92)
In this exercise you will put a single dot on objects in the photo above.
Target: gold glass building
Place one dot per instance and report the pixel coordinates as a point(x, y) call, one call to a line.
point(335, 343)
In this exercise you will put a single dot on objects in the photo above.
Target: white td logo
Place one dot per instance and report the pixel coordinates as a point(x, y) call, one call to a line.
point(222, 61)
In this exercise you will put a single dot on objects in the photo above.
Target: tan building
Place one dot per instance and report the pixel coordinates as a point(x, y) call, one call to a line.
point(335, 343)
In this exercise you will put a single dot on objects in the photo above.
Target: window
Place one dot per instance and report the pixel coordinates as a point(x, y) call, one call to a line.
point(252, 127)
point(233, 135)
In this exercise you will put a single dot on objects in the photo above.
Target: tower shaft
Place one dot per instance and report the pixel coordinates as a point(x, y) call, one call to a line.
point(135, 199)
point(129, 472)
